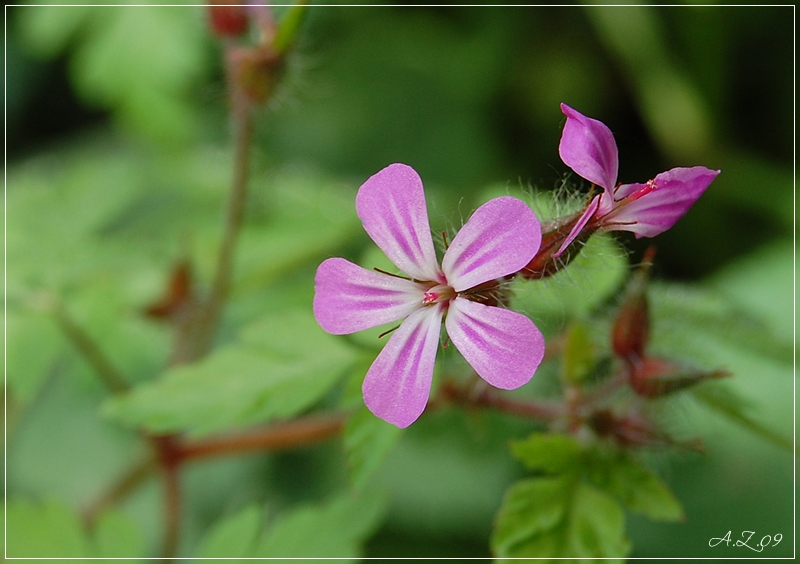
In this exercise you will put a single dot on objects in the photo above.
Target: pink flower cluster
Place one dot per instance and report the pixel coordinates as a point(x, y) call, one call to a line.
point(500, 239)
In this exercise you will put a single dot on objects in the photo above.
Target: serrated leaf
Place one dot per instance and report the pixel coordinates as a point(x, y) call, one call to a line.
point(531, 508)
point(553, 454)
point(47, 530)
point(335, 529)
point(283, 364)
point(640, 490)
point(367, 441)
point(560, 517)
point(234, 536)
point(116, 536)
point(596, 526)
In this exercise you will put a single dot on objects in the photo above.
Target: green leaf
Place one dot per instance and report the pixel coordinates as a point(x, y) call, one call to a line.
point(52, 530)
point(596, 526)
point(140, 61)
point(234, 536)
point(726, 401)
point(116, 536)
point(304, 217)
point(33, 343)
point(531, 508)
point(335, 529)
point(639, 489)
point(47, 530)
point(559, 518)
point(553, 454)
point(367, 441)
point(281, 366)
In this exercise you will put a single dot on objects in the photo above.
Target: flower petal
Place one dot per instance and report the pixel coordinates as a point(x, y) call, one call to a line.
point(579, 225)
point(398, 383)
point(660, 206)
point(500, 238)
point(391, 205)
point(504, 347)
point(587, 146)
point(349, 298)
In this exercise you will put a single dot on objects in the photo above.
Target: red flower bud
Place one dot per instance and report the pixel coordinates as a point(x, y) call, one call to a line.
point(655, 377)
point(632, 326)
point(635, 430)
point(227, 19)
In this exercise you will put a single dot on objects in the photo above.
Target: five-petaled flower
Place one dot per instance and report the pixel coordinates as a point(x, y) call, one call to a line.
point(504, 347)
point(588, 147)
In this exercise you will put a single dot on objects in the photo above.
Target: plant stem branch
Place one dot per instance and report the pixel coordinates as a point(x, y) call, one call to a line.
point(129, 481)
point(537, 410)
point(102, 365)
point(298, 432)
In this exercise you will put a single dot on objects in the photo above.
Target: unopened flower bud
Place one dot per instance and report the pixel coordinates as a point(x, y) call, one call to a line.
point(227, 19)
point(632, 326)
point(553, 255)
point(255, 71)
point(655, 377)
point(635, 430)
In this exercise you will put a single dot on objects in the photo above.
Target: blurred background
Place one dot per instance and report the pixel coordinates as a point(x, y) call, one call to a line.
point(116, 130)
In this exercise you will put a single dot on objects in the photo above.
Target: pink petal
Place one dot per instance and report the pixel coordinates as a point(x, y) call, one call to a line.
point(587, 146)
point(349, 298)
point(391, 205)
point(398, 383)
point(500, 238)
point(581, 223)
point(504, 347)
point(658, 209)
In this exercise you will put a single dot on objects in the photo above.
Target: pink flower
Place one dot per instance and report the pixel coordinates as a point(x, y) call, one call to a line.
point(503, 347)
point(588, 147)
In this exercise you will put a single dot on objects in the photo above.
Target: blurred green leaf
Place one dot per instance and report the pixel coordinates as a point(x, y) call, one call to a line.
point(671, 105)
point(46, 530)
point(234, 536)
point(282, 365)
point(550, 453)
point(367, 440)
point(724, 400)
point(300, 216)
point(335, 529)
point(52, 530)
point(596, 528)
point(638, 488)
point(578, 289)
point(33, 344)
point(559, 518)
point(762, 284)
point(117, 536)
point(139, 61)
point(531, 509)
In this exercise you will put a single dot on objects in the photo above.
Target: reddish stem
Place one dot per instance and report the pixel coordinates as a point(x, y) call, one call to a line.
point(299, 432)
